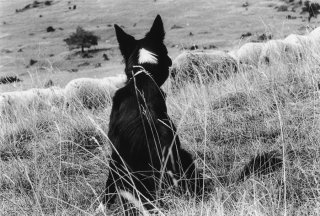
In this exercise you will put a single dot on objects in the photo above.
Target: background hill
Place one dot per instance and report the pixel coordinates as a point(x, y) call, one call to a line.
point(207, 24)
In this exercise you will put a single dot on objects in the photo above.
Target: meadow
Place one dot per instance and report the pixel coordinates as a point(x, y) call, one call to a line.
point(54, 160)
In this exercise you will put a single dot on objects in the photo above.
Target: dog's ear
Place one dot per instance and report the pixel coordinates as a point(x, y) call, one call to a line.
point(156, 32)
point(126, 42)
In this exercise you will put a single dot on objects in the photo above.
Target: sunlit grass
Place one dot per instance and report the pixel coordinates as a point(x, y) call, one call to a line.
point(55, 161)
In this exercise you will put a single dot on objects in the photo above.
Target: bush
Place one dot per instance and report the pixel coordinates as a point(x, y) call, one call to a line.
point(50, 29)
point(81, 38)
point(282, 8)
point(32, 62)
point(9, 79)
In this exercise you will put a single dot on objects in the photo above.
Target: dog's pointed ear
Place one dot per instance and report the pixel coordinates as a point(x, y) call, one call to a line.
point(126, 42)
point(157, 30)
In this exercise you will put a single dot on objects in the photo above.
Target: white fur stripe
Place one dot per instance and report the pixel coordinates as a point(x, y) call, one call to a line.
point(146, 56)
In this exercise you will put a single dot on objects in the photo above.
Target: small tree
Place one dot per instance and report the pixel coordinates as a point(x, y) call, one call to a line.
point(81, 38)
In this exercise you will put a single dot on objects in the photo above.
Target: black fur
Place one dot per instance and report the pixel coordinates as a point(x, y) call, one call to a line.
point(145, 144)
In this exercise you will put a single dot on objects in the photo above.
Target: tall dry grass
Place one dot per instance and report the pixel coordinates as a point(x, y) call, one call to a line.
point(55, 161)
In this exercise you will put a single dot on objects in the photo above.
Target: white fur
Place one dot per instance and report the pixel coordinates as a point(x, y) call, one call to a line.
point(133, 200)
point(101, 209)
point(192, 66)
point(249, 53)
point(34, 98)
point(315, 34)
point(53, 96)
point(146, 56)
point(298, 39)
point(233, 54)
point(88, 92)
point(17, 100)
point(279, 51)
point(83, 90)
point(308, 44)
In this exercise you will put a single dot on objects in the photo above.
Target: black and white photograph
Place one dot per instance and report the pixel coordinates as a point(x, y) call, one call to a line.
point(160, 107)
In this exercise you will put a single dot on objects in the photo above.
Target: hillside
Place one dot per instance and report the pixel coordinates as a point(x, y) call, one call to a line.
point(207, 24)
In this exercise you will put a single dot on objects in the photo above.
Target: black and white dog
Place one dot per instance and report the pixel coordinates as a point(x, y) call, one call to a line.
point(147, 153)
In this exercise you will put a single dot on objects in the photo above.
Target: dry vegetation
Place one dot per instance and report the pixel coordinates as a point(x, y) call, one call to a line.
point(54, 161)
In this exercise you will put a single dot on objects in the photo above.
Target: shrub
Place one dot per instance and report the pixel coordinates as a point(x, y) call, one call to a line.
point(32, 62)
point(81, 39)
point(9, 79)
point(50, 29)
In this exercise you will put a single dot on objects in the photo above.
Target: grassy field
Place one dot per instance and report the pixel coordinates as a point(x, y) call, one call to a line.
point(54, 161)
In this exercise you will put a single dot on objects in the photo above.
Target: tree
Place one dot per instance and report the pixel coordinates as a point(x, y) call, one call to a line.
point(81, 38)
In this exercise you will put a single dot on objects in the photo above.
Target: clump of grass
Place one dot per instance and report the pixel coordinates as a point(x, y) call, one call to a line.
point(66, 151)
point(251, 113)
